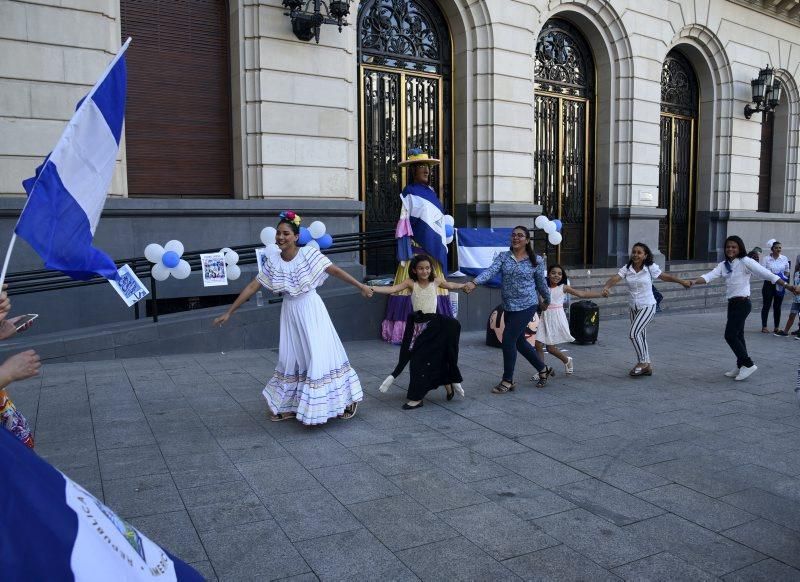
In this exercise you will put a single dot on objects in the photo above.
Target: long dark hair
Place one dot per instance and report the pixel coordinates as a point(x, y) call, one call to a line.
point(648, 254)
point(563, 274)
point(295, 228)
point(738, 240)
point(412, 268)
point(528, 244)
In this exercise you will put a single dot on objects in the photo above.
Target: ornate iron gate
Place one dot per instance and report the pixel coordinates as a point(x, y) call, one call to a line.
point(679, 105)
point(404, 56)
point(564, 86)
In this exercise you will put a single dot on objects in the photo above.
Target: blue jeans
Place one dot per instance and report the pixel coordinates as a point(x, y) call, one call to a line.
point(514, 341)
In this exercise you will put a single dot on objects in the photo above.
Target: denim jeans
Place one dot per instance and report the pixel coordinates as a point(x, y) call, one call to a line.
point(514, 341)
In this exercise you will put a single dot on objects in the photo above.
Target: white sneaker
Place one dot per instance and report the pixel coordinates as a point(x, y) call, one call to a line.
point(733, 373)
point(569, 367)
point(745, 372)
point(386, 383)
point(458, 389)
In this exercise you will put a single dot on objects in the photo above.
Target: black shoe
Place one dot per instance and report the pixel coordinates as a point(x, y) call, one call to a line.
point(407, 407)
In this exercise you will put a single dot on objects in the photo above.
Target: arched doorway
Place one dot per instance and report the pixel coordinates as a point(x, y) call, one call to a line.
point(677, 169)
point(404, 57)
point(564, 76)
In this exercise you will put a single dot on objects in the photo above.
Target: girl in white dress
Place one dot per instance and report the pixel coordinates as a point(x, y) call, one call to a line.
point(313, 380)
point(553, 327)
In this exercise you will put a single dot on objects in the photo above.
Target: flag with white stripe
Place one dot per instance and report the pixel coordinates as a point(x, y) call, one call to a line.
point(477, 248)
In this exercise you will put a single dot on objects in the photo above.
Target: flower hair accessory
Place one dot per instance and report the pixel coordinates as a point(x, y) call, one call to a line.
point(291, 217)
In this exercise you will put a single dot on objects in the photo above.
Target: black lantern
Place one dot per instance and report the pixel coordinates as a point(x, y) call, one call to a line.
point(309, 16)
point(766, 91)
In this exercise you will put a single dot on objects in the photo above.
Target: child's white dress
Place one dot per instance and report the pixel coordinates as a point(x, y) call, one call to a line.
point(554, 327)
point(313, 377)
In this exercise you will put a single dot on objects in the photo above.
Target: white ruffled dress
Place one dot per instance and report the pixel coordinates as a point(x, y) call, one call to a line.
point(313, 377)
point(554, 327)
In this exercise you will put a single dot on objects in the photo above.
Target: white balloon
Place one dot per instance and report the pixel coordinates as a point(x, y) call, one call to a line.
point(540, 221)
point(175, 246)
point(231, 257)
point(225, 250)
point(153, 252)
point(233, 272)
point(554, 238)
point(182, 270)
point(550, 227)
point(316, 229)
point(448, 240)
point(273, 249)
point(159, 271)
point(449, 220)
point(313, 243)
point(268, 235)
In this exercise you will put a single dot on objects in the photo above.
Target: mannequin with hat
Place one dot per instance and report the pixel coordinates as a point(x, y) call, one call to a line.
point(420, 230)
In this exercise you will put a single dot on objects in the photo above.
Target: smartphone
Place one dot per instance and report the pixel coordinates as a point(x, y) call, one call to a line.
point(24, 320)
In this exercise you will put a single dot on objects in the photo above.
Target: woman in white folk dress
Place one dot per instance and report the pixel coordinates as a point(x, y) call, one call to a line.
point(313, 380)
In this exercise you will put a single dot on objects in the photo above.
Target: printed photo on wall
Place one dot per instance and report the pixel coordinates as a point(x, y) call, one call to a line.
point(129, 287)
point(214, 273)
point(261, 259)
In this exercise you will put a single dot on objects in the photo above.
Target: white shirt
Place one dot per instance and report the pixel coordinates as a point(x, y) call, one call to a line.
point(640, 285)
point(777, 266)
point(737, 282)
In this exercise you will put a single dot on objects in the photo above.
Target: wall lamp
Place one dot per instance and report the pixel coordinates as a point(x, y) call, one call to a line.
point(766, 93)
point(308, 16)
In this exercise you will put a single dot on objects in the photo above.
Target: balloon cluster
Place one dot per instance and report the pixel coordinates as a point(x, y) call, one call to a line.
point(167, 260)
point(551, 227)
point(315, 236)
point(231, 268)
point(449, 228)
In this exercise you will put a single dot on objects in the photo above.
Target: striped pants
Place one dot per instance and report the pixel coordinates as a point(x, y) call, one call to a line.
point(640, 317)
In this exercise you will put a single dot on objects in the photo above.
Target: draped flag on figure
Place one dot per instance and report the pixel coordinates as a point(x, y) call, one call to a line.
point(55, 530)
point(427, 221)
point(477, 248)
point(68, 192)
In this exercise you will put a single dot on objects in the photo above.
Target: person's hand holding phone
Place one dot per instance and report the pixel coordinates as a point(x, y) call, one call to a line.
point(9, 327)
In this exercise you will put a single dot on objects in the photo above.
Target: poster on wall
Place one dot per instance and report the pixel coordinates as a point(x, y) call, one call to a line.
point(214, 272)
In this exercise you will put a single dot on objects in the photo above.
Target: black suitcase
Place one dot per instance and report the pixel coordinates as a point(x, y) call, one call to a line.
point(584, 322)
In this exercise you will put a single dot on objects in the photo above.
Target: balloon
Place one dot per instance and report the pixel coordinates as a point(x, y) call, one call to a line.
point(159, 272)
point(554, 238)
point(153, 252)
point(182, 270)
point(448, 230)
point(268, 235)
point(549, 228)
point(233, 272)
point(226, 250)
point(175, 246)
point(541, 221)
point(273, 249)
point(231, 257)
point(317, 229)
point(449, 220)
point(312, 243)
point(305, 236)
point(325, 241)
point(558, 224)
point(170, 259)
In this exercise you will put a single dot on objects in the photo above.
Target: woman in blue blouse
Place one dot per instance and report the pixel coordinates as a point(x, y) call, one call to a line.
point(523, 282)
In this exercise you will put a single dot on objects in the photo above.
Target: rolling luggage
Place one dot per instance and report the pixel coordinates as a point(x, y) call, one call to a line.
point(584, 321)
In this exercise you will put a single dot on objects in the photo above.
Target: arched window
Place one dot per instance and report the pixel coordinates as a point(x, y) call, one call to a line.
point(404, 102)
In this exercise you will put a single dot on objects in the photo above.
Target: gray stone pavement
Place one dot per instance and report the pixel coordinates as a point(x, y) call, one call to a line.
point(686, 475)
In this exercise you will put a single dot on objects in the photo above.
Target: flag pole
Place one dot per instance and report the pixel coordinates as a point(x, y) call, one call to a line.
point(117, 57)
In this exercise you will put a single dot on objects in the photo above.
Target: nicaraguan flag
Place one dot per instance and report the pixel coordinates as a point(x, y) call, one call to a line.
point(427, 221)
point(53, 529)
point(67, 194)
point(477, 248)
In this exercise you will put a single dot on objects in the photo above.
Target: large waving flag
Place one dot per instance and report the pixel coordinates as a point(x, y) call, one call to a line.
point(68, 192)
point(427, 220)
point(53, 529)
point(477, 248)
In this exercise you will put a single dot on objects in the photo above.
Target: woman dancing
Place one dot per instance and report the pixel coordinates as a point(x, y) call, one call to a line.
point(430, 341)
point(313, 380)
point(523, 282)
point(736, 269)
point(554, 328)
point(639, 274)
point(771, 294)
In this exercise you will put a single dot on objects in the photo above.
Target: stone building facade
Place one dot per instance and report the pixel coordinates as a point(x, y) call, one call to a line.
point(623, 118)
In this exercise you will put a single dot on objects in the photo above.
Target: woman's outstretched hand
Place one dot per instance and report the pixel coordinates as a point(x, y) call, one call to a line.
point(605, 292)
point(687, 284)
point(469, 287)
point(367, 291)
point(221, 320)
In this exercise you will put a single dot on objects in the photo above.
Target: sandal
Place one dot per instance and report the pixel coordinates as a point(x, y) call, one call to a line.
point(282, 416)
point(450, 392)
point(349, 411)
point(568, 367)
point(544, 375)
point(503, 387)
point(641, 370)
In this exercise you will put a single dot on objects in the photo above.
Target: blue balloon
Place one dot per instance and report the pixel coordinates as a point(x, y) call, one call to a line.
point(325, 241)
point(170, 259)
point(558, 224)
point(305, 236)
point(448, 230)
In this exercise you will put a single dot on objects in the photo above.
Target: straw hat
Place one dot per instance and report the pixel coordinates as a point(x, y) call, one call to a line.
point(417, 156)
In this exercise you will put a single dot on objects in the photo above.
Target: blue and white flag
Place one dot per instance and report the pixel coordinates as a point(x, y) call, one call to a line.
point(427, 220)
point(68, 192)
point(53, 529)
point(477, 248)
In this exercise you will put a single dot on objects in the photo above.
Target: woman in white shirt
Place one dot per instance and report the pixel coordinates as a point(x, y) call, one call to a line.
point(639, 274)
point(777, 264)
point(737, 269)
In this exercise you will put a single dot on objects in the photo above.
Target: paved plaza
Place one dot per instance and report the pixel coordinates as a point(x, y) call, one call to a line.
point(686, 475)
